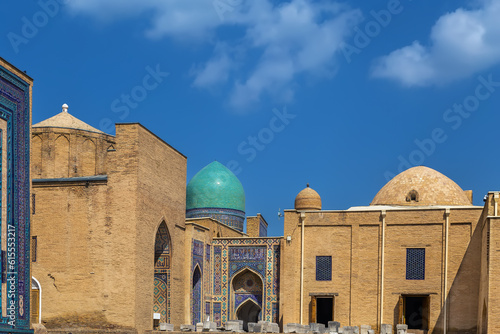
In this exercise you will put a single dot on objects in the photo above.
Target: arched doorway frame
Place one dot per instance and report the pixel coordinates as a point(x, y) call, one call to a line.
point(39, 288)
point(233, 294)
point(194, 299)
point(162, 271)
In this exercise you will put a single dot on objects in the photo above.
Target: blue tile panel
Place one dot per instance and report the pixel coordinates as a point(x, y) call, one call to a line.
point(15, 111)
point(197, 252)
point(246, 256)
point(415, 263)
point(229, 217)
point(262, 229)
point(323, 268)
point(217, 312)
point(161, 293)
point(196, 296)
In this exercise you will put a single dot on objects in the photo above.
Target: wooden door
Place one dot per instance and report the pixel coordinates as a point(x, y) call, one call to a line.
point(312, 313)
point(35, 305)
point(401, 310)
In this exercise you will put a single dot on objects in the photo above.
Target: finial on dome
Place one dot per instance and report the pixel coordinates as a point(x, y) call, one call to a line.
point(308, 185)
point(65, 107)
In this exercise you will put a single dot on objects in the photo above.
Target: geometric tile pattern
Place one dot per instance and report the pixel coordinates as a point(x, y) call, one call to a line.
point(160, 294)
point(207, 309)
point(217, 268)
point(240, 256)
point(276, 312)
point(216, 314)
point(230, 217)
point(196, 296)
point(162, 270)
point(323, 268)
point(15, 110)
point(197, 252)
point(415, 263)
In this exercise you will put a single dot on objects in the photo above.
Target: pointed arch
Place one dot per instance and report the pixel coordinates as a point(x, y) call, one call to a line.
point(246, 285)
point(61, 157)
point(196, 294)
point(36, 156)
point(162, 269)
point(88, 158)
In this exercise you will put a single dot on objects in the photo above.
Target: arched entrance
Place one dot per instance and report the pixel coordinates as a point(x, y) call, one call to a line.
point(247, 289)
point(162, 273)
point(249, 311)
point(36, 301)
point(196, 295)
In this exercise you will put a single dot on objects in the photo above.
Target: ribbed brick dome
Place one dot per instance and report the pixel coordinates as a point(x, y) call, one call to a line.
point(420, 186)
point(308, 199)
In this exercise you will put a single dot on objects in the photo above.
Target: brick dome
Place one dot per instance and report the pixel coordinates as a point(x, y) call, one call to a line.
point(420, 186)
point(308, 199)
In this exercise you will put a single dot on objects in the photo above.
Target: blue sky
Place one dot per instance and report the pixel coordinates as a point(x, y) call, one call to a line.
point(341, 95)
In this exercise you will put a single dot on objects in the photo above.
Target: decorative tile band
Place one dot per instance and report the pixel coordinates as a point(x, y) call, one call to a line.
point(229, 217)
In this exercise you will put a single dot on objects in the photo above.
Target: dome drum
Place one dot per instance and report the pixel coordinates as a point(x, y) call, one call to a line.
point(229, 217)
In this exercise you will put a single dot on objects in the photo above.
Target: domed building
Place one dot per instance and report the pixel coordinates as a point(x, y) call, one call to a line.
point(421, 186)
point(121, 240)
point(308, 199)
point(217, 193)
point(417, 255)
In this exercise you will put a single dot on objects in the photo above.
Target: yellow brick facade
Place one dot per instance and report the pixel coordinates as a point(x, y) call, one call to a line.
point(100, 200)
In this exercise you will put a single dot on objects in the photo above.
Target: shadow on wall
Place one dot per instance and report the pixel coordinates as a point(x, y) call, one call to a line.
point(463, 298)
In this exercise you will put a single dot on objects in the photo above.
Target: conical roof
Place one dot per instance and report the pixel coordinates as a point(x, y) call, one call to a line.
point(215, 186)
point(66, 120)
point(419, 186)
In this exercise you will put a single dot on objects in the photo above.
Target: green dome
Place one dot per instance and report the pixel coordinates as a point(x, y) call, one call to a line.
point(215, 186)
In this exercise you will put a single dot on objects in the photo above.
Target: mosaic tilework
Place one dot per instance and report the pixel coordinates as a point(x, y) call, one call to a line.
point(415, 263)
point(160, 293)
point(197, 252)
point(276, 270)
point(240, 298)
point(230, 217)
point(217, 268)
point(207, 280)
point(196, 296)
point(207, 310)
point(276, 312)
point(262, 229)
point(257, 255)
point(162, 290)
point(15, 110)
point(216, 314)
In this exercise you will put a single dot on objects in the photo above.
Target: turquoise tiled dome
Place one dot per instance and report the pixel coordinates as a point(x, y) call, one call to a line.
point(216, 192)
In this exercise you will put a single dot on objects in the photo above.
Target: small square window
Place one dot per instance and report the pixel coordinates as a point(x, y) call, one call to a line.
point(415, 263)
point(323, 268)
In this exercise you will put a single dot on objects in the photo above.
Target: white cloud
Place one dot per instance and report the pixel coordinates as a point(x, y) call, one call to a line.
point(461, 43)
point(276, 42)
